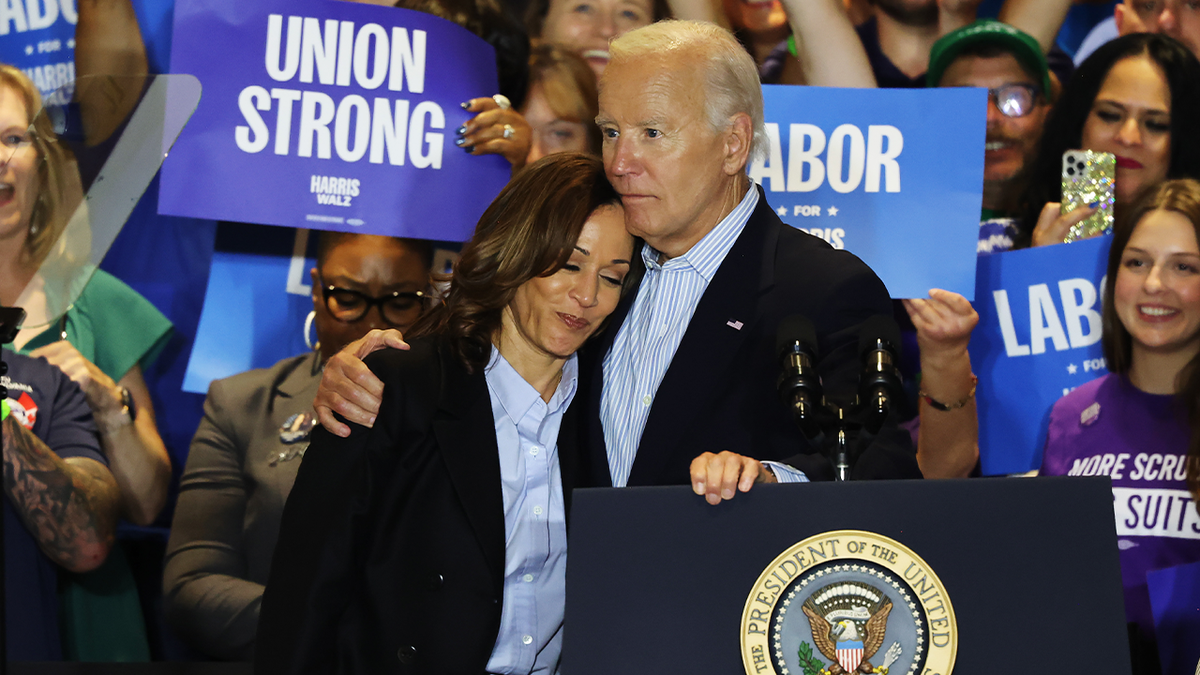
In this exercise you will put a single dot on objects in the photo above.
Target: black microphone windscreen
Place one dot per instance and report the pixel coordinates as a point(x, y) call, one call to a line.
point(796, 327)
point(878, 327)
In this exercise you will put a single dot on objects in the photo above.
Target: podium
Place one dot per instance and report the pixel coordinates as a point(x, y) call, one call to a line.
point(992, 576)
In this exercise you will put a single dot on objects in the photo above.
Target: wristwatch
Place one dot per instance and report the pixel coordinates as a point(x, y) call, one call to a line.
point(112, 422)
point(127, 405)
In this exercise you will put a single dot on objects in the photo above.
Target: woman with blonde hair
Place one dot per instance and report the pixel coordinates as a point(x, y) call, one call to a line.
point(102, 340)
point(561, 103)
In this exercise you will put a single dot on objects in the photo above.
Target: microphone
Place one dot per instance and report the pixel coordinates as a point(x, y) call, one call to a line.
point(799, 385)
point(880, 382)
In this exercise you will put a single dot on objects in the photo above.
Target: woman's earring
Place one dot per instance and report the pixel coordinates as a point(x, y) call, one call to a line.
point(308, 322)
point(33, 229)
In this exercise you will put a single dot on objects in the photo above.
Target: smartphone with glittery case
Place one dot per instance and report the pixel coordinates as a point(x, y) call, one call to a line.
point(1089, 178)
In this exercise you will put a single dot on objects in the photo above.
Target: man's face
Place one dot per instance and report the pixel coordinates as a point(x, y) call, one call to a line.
point(1010, 140)
point(673, 172)
point(1178, 18)
point(911, 12)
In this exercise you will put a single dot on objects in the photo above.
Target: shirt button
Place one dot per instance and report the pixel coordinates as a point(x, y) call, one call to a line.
point(528, 578)
point(646, 399)
point(528, 639)
point(534, 450)
point(537, 510)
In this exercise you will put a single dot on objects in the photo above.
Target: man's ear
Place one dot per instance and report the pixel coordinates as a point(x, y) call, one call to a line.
point(739, 138)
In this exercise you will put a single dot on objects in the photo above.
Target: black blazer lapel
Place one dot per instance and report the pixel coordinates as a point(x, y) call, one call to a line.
point(723, 321)
point(466, 436)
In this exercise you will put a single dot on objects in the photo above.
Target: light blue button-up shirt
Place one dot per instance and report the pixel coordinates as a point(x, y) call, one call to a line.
point(535, 524)
point(648, 339)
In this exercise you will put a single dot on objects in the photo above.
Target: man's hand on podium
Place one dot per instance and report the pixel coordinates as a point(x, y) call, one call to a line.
point(722, 476)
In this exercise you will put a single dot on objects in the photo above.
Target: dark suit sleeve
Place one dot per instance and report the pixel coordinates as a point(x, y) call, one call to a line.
point(207, 598)
point(323, 539)
point(854, 295)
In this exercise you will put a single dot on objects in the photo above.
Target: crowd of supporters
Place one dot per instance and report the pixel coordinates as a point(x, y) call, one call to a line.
point(83, 456)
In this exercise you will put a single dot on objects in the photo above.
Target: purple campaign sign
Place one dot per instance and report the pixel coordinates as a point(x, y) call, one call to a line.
point(330, 115)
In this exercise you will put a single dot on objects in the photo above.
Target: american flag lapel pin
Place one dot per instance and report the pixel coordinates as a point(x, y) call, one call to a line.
point(736, 325)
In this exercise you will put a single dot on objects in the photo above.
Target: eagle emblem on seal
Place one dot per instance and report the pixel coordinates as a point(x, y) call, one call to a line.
point(849, 621)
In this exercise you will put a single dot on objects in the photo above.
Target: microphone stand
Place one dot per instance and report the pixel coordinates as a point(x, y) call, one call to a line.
point(841, 454)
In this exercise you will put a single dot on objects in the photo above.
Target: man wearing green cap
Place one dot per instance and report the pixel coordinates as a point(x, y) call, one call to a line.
point(1012, 67)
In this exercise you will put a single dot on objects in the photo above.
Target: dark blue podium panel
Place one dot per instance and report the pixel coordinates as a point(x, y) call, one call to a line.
point(657, 579)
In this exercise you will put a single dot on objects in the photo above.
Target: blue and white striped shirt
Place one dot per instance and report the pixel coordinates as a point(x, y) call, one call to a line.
point(535, 523)
point(646, 342)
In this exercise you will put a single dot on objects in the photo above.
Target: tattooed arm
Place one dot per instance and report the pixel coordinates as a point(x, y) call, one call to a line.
point(70, 505)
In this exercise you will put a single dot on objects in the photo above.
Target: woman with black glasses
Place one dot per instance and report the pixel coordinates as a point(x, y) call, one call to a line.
point(244, 457)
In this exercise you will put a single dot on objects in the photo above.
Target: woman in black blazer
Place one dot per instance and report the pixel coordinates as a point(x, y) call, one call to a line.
point(434, 541)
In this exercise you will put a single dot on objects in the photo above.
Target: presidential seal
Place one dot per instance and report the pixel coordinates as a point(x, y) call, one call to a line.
point(848, 602)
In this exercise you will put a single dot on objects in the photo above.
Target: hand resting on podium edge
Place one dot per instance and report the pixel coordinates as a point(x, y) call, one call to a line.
point(720, 477)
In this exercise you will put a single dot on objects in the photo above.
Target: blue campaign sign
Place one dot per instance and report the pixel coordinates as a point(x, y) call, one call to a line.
point(1038, 338)
point(38, 36)
point(893, 175)
point(330, 115)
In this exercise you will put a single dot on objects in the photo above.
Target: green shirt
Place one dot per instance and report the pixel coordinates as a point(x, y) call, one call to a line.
point(112, 326)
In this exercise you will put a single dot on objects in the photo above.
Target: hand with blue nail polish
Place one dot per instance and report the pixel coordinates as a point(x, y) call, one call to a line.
point(484, 134)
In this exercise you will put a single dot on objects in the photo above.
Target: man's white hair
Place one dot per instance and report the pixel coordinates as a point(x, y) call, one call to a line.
point(731, 78)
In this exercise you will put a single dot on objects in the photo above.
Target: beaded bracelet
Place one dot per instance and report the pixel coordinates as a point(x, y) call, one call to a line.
point(946, 407)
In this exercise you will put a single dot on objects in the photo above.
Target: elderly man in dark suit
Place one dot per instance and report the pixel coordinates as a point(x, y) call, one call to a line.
point(688, 378)
point(681, 387)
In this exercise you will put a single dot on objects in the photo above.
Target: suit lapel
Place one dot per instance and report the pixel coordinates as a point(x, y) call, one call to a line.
point(466, 436)
point(723, 321)
point(301, 381)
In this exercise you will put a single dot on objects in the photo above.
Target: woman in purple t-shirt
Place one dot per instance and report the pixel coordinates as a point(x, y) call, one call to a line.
point(1140, 424)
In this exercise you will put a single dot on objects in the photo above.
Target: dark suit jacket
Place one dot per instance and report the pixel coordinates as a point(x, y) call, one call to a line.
point(231, 496)
point(719, 392)
point(391, 549)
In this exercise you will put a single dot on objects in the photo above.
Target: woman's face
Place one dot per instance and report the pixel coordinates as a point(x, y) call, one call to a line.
point(551, 133)
point(1131, 118)
point(370, 266)
point(18, 169)
point(1157, 294)
point(587, 26)
point(553, 316)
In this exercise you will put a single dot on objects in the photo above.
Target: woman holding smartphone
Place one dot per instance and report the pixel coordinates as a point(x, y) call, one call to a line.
point(1137, 98)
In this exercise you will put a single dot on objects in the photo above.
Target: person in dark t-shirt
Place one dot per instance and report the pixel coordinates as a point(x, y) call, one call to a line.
point(60, 506)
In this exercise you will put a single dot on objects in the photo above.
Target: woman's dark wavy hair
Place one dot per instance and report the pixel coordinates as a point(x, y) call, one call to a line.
point(1180, 196)
point(1064, 125)
point(528, 231)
